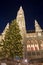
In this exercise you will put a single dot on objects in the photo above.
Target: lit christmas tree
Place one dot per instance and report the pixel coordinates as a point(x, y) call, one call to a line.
point(12, 46)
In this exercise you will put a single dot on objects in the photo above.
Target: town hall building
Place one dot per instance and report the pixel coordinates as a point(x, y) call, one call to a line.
point(33, 41)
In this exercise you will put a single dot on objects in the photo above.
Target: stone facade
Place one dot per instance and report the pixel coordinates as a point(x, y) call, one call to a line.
point(32, 38)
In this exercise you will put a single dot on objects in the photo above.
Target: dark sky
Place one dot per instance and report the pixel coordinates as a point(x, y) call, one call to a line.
point(33, 9)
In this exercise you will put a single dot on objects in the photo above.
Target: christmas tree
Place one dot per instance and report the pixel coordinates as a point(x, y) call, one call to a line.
point(12, 46)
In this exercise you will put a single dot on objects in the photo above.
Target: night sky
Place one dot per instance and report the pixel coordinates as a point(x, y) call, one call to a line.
point(33, 9)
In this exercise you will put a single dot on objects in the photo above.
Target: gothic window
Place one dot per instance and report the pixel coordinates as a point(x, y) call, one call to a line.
point(32, 41)
point(28, 42)
point(41, 41)
point(42, 46)
point(28, 48)
point(36, 47)
point(32, 47)
point(36, 41)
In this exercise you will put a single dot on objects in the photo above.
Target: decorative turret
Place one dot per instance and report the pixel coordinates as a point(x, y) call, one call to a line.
point(4, 32)
point(37, 27)
point(21, 21)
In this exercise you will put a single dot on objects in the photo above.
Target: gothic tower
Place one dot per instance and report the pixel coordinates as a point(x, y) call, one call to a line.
point(21, 21)
point(37, 27)
point(4, 32)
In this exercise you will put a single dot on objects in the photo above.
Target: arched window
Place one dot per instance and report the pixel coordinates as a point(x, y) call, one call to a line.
point(36, 47)
point(28, 48)
point(32, 47)
point(41, 45)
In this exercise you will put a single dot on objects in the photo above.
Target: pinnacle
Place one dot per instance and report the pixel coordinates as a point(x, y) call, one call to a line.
point(20, 7)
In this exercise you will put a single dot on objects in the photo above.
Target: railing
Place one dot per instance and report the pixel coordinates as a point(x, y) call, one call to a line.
point(35, 54)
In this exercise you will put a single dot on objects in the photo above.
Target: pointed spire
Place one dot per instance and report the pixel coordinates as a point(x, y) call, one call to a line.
point(4, 32)
point(20, 11)
point(20, 7)
point(20, 17)
point(7, 27)
point(37, 27)
point(21, 21)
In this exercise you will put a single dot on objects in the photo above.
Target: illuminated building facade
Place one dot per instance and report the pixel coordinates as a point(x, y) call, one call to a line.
point(33, 41)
